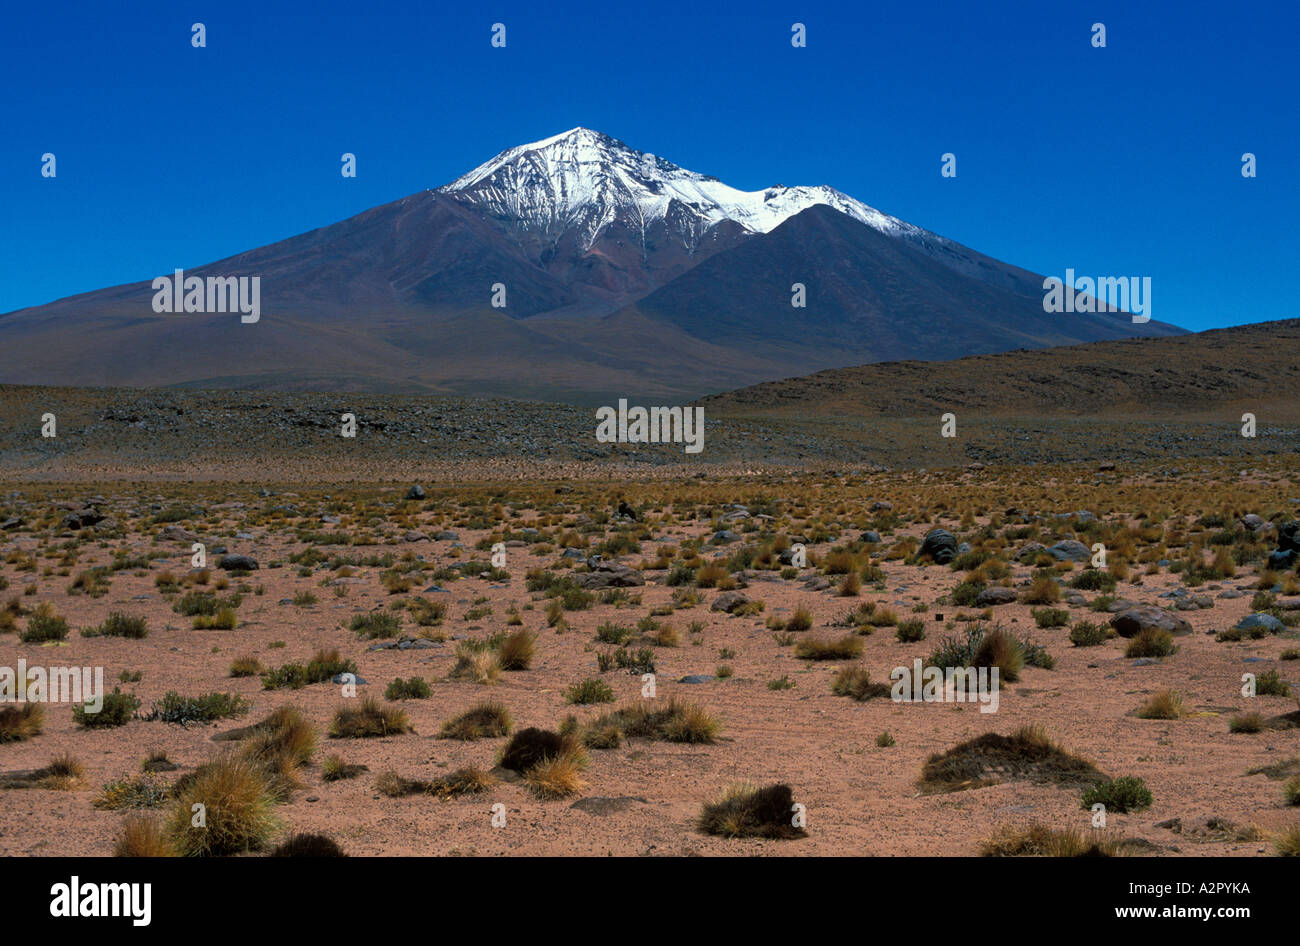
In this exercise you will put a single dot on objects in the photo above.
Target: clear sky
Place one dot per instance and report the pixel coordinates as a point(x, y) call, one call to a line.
point(1117, 161)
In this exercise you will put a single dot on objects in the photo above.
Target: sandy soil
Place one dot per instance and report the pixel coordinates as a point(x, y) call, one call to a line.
point(861, 798)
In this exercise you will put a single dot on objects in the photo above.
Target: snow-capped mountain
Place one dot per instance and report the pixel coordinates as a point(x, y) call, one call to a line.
point(583, 181)
point(622, 273)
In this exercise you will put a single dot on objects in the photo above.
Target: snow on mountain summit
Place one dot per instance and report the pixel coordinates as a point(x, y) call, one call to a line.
point(583, 180)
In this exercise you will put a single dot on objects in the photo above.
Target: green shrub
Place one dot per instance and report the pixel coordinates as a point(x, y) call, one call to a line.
point(174, 708)
point(44, 625)
point(590, 691)
point(1124, 794)
point(376, 624)
point(1151, 642)
point(1051, 617)
point(1087, 634)
point(910, 631)
point(120, 625)
point(117, 710)
point(415, 688)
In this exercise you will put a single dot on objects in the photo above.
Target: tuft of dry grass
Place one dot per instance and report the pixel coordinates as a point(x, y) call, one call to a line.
point(464, 781)
point(801, 620)
point(308, 845)
point(236, 809)
point(744, 810)
point(847, 647)
point(1038, 840)
point(530, 746)
point(676, 721)
point(1026, 754)
point(1167, 704)
point(1287, 841)
point(64, 773)
point(1151, 642)
point(1246, 723)
point(484, 721)
point(21, 722)
point(144, 836)
point(245, 667)
point(856, 682)
point(477, 666)
point(367, 720)
point(999, 648)
point(281, 744)
point(334, 769)
point(516, 651)
point(558, 776)
point(1042, 590)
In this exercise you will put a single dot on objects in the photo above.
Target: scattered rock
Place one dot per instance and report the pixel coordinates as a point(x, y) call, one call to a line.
point(939, 545)
point(1251, 621)
point(1070, 550)
point(995, 595)
point(729, 601)
point(237, 563)
point(1132, 622)
point(609, 575)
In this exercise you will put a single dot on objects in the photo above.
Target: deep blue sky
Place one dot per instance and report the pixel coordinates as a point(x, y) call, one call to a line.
point(1117, 161)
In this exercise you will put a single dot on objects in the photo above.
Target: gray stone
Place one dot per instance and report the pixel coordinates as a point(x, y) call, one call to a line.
point(995, 595)
point(237, 563)
point(939, 545)
point(1070, 550)
point(1135, 620)
point(609, 575)
point(1272, 624)
point(729, 601)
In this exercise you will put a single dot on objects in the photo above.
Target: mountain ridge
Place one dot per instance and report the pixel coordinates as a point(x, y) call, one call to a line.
point(622, 273)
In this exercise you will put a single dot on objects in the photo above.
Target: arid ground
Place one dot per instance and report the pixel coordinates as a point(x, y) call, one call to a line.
point(614, 575)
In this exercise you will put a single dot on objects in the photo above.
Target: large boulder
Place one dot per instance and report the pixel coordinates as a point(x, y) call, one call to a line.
point(995, 595)
point(1288, 536)
point(1134, 621)
point(609, 575)
point(415, 492)
point(1030, 550)
point(1266, 621)
point(938, 545)
point(1279, 560)
point(238, 563)
point(1070, 550)
point(729, 601)
point(82, 518)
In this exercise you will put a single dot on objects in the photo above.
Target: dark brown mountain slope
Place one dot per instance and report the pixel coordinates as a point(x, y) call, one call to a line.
point(1247, 368)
